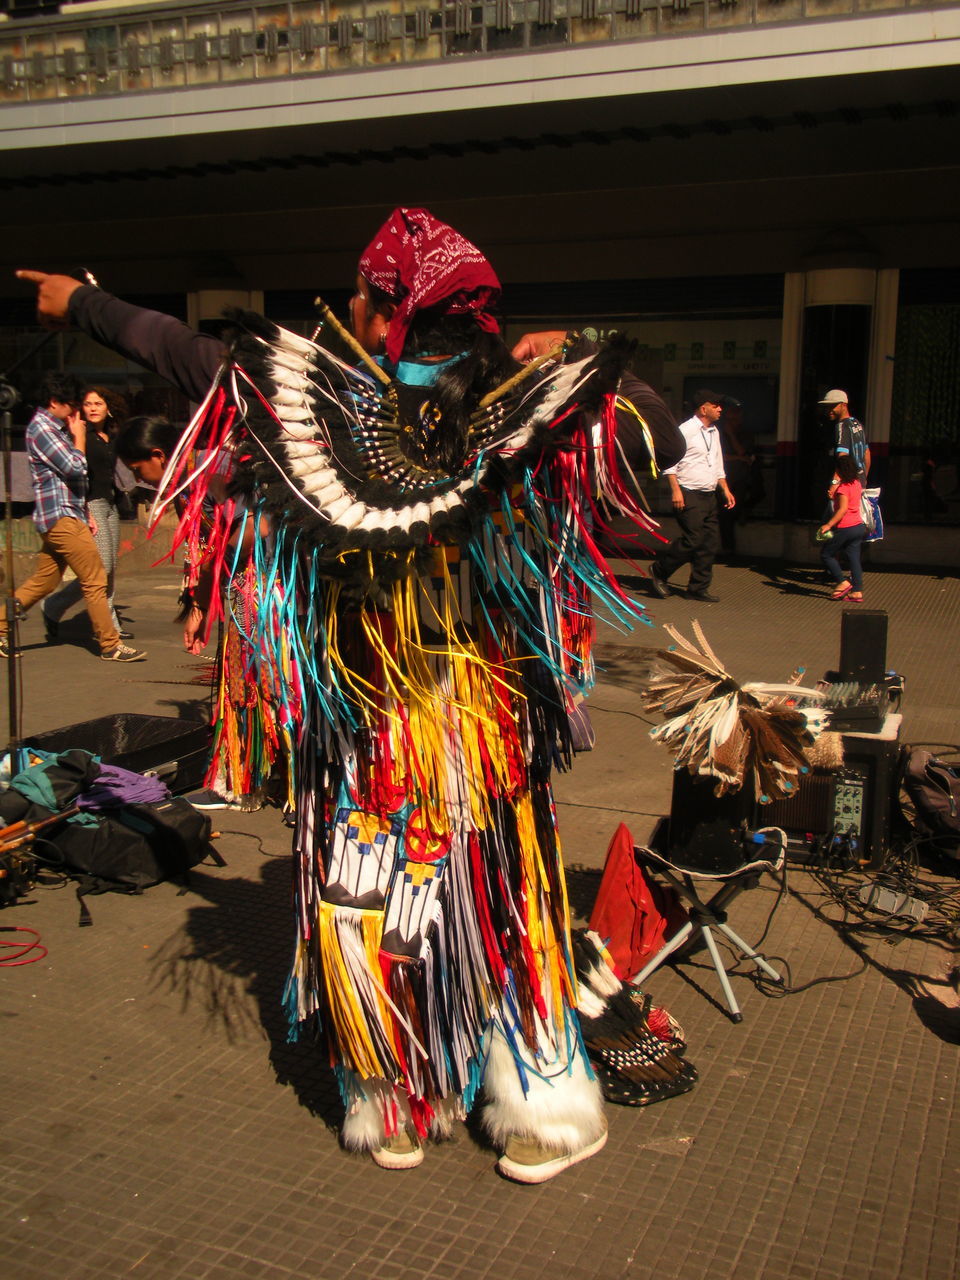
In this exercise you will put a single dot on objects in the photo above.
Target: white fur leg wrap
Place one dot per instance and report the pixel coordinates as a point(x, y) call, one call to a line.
point(381, 1112)
point(564, 1113)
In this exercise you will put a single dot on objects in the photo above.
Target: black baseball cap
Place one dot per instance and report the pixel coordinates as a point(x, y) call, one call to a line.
point(705, 396)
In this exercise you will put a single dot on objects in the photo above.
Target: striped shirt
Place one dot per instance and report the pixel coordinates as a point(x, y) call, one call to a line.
point(58, 470)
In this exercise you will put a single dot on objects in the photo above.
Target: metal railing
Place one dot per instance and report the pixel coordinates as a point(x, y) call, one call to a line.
point(137, 50)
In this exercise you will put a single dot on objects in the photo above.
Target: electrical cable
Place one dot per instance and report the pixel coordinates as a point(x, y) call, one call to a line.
point(901, 874)
point(776, 990)
point(250, 835)
point(23, 949)
point(622, 711)
point(783, 880)
point(51, 866)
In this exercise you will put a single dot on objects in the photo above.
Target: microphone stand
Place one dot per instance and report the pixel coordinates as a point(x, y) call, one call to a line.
point(9, 396)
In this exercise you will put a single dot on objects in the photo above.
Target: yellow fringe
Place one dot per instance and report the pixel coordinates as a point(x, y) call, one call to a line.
point(348, 1014)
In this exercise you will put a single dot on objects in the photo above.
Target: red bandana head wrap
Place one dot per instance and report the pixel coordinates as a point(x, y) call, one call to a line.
point(420, 262)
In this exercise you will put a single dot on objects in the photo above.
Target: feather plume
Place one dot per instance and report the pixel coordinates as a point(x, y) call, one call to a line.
point(755, 734)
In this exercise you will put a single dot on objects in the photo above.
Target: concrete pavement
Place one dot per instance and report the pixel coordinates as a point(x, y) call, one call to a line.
point(157, 1124)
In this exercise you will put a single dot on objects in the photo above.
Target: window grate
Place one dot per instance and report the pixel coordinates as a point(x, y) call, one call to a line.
point(99, 62)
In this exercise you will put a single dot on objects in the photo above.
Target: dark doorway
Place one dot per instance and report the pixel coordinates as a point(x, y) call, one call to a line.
point(836, 342)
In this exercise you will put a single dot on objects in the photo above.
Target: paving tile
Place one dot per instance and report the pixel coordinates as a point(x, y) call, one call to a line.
point(158, 1125)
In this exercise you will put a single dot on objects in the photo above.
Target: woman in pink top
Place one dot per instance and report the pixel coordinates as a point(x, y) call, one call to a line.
point(848, 531)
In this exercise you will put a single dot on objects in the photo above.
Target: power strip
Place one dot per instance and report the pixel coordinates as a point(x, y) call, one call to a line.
point(891, 903)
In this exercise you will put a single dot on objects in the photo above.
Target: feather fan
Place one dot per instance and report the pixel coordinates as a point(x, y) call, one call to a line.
point(754, 734)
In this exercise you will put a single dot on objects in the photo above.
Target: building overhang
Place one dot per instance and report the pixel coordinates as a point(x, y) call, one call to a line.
point(381, 102)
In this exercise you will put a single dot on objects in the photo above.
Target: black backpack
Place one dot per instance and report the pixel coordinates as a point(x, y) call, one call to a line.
point(125, 849)
point(933, 787)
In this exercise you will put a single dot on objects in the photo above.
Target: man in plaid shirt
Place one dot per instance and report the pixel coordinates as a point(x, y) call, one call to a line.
point(56, 444)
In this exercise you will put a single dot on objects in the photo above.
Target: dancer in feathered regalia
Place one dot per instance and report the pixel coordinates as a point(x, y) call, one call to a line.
point(425, 618)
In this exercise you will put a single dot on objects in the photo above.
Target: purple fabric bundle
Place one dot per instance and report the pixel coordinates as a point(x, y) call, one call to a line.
point(115, 787)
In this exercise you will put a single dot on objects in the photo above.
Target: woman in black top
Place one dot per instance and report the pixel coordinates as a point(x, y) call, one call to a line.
point(105, 413)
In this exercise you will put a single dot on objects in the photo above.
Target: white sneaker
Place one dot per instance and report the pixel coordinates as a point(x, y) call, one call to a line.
point(123, 653)
point(207, 798)
point(525, 1160)
point(402, 1151)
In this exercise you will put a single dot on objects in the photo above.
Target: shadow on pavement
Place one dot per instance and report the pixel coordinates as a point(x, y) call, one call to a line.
point(940, 1016)
point(794, 580)
point(236, 945)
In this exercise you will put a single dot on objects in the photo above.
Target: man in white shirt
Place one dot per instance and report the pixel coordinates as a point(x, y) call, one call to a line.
point(694, 482)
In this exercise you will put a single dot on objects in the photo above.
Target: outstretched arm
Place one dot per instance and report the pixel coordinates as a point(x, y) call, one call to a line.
point(668, 442)
point(157, 341)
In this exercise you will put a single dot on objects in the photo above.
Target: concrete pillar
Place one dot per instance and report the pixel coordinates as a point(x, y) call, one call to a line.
point(791, 338)
point(883, 339)
point(840, 286)
point(788, 407)
point(839, 347)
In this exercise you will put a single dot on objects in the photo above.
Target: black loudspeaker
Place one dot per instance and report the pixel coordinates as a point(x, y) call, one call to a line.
point(863, 645)
point(175, 751)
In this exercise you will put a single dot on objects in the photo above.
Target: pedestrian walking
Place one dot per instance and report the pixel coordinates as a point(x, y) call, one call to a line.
point(56, 448)
point(844, 532)
point(694, 482)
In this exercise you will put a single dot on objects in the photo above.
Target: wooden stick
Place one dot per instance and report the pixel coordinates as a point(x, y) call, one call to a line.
point(505, 387)
point(330, 319)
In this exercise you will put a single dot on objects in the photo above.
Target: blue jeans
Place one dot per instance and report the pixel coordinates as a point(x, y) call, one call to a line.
point(849, 540)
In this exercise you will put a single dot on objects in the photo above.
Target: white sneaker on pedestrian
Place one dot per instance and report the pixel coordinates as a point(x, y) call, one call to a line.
point(207, 798)
point(123, 653)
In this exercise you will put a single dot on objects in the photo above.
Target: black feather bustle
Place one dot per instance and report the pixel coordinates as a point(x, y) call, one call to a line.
point(411, 473)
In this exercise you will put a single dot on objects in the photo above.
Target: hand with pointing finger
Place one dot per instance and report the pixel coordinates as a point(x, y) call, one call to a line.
point(53, 297)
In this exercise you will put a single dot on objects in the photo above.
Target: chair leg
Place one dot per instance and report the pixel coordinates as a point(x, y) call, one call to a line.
point(721, 972)
point(667, 950)
point(747, 950)
point(703, 927)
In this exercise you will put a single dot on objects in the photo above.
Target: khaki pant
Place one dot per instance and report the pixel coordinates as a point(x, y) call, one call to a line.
point(70, 542)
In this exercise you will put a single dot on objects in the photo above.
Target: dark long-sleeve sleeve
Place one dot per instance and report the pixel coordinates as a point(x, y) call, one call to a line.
point(188, 359)
point(668, 442)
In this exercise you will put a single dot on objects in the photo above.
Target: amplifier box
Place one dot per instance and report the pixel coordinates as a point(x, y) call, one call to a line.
point(855, 800)
point(706, 831)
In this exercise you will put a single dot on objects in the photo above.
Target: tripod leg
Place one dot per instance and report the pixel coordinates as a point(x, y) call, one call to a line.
point(758, 959)
point(677, 941)
point(721, 973)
